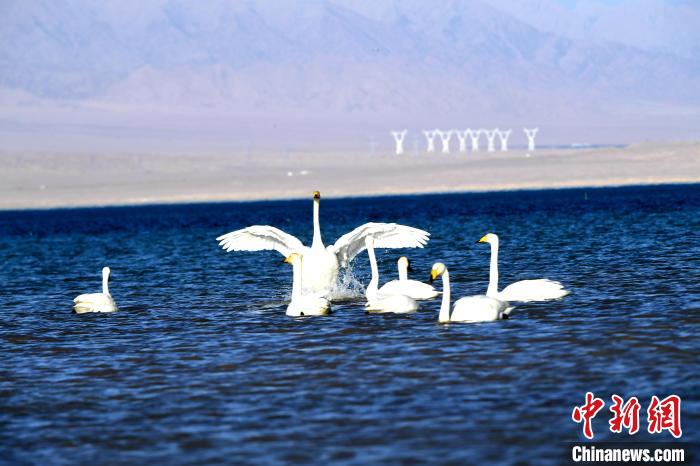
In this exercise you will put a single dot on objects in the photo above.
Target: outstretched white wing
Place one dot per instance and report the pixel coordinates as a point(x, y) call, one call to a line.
point(386, 235)
point(260, 238)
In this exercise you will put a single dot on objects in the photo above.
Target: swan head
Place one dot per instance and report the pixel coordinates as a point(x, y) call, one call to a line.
point(489, 238)
point(317, 196)
point(437, 271)
point(405, 264)
point(106, 271)
point(293, 258)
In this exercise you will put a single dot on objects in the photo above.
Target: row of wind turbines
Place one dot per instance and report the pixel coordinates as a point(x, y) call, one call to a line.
point(315, 273)
point(473, 135)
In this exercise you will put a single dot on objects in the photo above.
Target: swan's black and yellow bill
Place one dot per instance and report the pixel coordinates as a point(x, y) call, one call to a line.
point(433, 275)
point(290, 258)
point(483, 239)
point(317, 195)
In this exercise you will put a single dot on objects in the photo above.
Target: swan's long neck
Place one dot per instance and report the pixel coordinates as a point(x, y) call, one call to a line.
point(445, 305)
point(493, 270)
point(296, 279)
point(105, 282)
point(317, 241)
point(373, 286)
point(403, 271)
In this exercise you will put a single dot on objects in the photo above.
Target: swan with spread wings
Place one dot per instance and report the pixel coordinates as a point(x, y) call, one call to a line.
point(322, 263)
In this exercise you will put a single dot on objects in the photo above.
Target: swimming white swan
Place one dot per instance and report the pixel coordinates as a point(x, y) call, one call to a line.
point(384, 302)
point(411, 288)
point(321, 263)
point(524, 290)
point(480, 308)
point(96, 302)
point(304, 304)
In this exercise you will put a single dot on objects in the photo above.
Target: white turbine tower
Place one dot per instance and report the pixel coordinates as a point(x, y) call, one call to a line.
point(503, 136)
point(399, 137)
point(474, 135)
point(430, 139)
point(491, 137)
point(531, 133)
point(462, 136)
point(445, 138)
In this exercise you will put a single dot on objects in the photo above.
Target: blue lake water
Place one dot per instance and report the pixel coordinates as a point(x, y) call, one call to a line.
point(200, 364)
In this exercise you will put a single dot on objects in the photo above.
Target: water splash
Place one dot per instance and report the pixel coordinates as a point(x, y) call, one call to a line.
point(348, 287)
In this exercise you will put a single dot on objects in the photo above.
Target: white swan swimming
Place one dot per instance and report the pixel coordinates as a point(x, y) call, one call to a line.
point(480, 308)
point(96, 302)
point(411, 288)
point(304, 304)
point(524, 290)
point(321, 263)
point(384, 302)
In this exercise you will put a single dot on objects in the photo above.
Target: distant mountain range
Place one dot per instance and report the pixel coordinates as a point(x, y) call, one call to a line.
point(401, 62)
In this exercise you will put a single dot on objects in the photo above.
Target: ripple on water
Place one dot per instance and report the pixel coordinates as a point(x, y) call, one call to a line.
point(201, 365)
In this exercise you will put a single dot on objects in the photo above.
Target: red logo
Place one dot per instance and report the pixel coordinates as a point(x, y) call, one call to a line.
point(661, 415)
point(665, 415)
point(587, 412)
point(626, 415)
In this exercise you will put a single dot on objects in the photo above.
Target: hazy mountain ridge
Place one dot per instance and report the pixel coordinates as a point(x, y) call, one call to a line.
point(651, 25)
point(348, 58)
point(263, 57)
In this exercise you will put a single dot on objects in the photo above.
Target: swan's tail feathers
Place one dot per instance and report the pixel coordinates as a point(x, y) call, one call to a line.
point(91, 299)
point(94, 302)
point(533, 290)
point(82, 308)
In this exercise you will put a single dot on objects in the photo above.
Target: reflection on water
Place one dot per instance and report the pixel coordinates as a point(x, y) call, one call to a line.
point(201, 364)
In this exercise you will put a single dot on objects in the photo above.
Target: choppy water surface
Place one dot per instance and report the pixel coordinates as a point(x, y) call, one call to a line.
point(200, 364)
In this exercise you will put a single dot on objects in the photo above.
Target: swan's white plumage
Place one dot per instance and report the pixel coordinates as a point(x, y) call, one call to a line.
point(385, 235)
point(480, 308)
point(395, 303)
point(533, 290)
point(96, 302)
point(411, 288)
point(309, 305)
point(260, 238)
point(321, 264)
point(378, 301)
point(525, 290)
point(312, 304)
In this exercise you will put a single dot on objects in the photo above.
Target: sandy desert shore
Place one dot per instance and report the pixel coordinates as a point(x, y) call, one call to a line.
point(45, 180)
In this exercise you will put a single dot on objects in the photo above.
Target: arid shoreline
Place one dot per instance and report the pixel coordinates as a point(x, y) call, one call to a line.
point(49, 180)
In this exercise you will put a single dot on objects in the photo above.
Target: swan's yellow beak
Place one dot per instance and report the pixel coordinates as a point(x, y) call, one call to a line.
point(292, 258)
point(483, 239)
point(433, 275)
point(317, 195)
